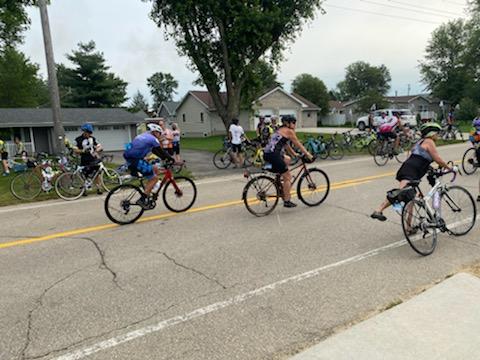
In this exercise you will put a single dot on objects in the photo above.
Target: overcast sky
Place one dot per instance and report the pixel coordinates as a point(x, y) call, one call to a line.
point(376, 31)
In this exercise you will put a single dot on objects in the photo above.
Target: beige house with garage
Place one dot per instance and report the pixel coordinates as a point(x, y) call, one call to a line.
point(278, 102)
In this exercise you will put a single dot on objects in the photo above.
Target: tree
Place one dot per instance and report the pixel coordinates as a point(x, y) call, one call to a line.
point(262, 78)
point(14, 21)
point(369, 99)
point(88, 83)
point(162, 87)
point(468, 109)
point(139, 103)
point(362, 78)
point(20, 83)
point(224, 40)
point(313, 89)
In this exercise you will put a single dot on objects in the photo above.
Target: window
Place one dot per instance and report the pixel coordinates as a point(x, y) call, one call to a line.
point(308, 114)
point(71, 128)
point(201, 118)
point(118, 127)
point(103, 128)
point(183, 117)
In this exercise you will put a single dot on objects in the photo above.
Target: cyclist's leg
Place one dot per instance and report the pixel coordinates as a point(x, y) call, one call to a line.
point(378, 213)
point(235, 154)
point(152, 177)
point(287, 179)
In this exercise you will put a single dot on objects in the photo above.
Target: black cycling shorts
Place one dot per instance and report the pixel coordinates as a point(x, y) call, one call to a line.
point(388, 135)
point(278, 162)
point(4, 155)
point(237, 148)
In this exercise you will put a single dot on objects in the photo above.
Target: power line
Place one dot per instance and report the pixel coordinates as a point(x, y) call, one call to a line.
point(405, 9)
point(383, 15)
point(425, 7)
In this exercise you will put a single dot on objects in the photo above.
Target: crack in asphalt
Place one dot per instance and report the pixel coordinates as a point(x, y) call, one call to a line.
point(80, 342)
point(192, 270)
point(38, 305)
point(103, 262)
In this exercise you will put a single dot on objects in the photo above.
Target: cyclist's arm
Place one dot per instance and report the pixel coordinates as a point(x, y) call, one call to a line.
point(162, 154)
point(432, 149)
point(293, 137)
point(290, 150)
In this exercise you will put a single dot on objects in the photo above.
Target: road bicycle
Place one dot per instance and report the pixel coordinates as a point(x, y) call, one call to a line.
point(74, 184)
point(470, 162)
point(446, 208)
point(262, 191)
point(386, 150)
point(123, 206)
point(222, 159)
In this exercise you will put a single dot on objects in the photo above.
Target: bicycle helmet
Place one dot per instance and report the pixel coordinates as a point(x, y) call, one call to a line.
point(429, 129)
point(288, 119)
point(87, 128)
point(268, 120)
point(476, 122)
point(154, 127)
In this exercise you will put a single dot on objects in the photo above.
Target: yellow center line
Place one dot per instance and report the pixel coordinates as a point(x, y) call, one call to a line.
point(90, 229)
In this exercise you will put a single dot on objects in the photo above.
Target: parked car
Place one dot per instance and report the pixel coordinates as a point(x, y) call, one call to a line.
point(406, 117)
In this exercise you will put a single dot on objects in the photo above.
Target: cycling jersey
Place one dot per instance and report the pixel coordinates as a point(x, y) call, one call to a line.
point(389, 126)
point(276, 144)
point(87, 145)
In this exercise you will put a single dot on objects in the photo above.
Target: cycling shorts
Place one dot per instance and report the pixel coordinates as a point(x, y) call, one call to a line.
point(278, 162)
point(237, 148)
point(4, 155)
point(387, 135)
point(141, 166)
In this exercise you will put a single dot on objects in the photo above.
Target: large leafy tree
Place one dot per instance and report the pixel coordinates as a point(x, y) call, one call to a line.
point(89, 83)
point(138, 103)
point(224, 40)
point(313, 89)
point(362, 78)
point(20, 83)
point(14, 21)
point(162, 87)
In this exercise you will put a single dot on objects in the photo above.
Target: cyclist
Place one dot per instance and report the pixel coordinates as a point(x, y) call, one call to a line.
point(137, 150)
point(267, 131)
point(416, 166)
point(274, 153)
point(4, 156)
point(388, 130)
point(88, 148)
point(260, 125)
point(236, 135)
point(475, 139)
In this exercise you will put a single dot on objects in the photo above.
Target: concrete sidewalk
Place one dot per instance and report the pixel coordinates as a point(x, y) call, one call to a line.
point(441, 323)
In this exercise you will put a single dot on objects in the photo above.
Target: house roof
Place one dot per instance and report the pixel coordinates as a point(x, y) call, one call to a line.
point(19, 117)
point(204, 98)
point(304, 103)
point(334, 104)
point(310, 105)
point(408, 98)
point(170, 106)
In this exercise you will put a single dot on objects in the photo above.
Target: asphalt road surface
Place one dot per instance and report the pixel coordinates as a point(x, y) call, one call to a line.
point(214, 283)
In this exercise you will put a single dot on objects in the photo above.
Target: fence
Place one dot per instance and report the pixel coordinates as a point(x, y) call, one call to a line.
point(334, 119)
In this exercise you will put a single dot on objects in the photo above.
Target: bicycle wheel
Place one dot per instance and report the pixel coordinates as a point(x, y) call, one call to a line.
point(121, 204)
point(335, 151)
point(110, 179)
point(260, 195)
point(418, 227)
point(469, 161)
point(372, 146)
point(381, 154)
point(70, 186)
point(458, 210)
point(402, 156)
point(313, 187)
point(249, 156)
point(26, 186)
point(222, 159)
point(179, 194)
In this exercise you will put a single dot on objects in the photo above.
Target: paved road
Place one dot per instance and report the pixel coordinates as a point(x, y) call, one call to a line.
point(215, 283)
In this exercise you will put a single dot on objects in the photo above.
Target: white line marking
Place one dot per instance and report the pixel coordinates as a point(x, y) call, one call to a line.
point(117, 340)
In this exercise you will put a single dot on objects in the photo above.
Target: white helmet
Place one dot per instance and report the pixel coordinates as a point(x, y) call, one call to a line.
point(154, 127)
point(268, 120)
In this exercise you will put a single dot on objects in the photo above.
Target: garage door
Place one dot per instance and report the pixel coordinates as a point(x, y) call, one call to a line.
point(112, 138)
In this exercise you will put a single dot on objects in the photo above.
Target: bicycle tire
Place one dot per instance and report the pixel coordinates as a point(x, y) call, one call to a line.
point(414, 243)
point(323, 188)
point(372, 146)
point(180, 182)
point(249, 156)
point(450, 203)
point(70, 186)
point(136, 192)
point(26, 186)
point(221, 160)
point(335, 151)
point(262, 194)
point(110, 179)
point(380, 158)
point(468, 160)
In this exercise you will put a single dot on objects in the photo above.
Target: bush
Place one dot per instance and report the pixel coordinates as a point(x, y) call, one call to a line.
point(468, 110)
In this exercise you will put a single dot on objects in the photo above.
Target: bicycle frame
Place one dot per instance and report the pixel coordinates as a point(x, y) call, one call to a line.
point(167, 177)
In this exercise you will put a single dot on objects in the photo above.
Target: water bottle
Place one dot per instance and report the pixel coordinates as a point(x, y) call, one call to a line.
point(436, 200)
point(156, 187)
point(398, 207)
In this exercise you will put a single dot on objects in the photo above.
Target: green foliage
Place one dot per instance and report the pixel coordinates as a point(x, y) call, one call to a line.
point(139, 103)
point(369, 99)
point(88, 83)
point(20, 83)
point(14, 21)
point(362, 78)
point(469, 109)
point(313, 89)
point(162, 87)
point(224, 40)
point(262, 78)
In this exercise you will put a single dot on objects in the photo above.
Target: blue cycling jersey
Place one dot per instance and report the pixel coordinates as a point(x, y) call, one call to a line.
point(141, 146)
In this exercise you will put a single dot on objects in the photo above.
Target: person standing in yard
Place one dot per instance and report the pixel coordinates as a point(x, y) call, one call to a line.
point(176, 142)
point(236, 136)
point(4, 157)
point(167, 138)
point(20, 148)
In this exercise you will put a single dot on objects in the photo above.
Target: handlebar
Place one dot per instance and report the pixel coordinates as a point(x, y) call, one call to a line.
point(436, 173)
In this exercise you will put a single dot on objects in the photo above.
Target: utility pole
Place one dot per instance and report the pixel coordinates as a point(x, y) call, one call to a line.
point(408, 90)
point(58, 131)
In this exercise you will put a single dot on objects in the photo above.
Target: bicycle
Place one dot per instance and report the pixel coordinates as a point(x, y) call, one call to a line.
point(386, 151)
point(72, 185)
point(122, 203)
point(450, 132)
point(316, 147)
point(262, 192)
point(222, 159)
point(254, 154)
point(446, 208)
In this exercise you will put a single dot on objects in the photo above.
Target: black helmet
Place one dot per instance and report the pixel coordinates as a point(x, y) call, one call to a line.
point(288, 119)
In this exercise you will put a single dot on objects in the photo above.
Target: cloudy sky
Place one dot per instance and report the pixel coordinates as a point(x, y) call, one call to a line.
point(390, 32)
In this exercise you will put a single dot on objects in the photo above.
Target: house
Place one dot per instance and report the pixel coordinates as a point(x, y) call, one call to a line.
point(278, 102)
point(168, 111)
point(196, 115)
point(113, 127)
